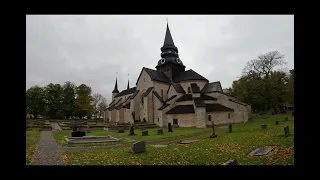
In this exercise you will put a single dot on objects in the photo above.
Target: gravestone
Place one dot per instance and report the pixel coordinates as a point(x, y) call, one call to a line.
point(159, 131)
point(138, 147)
point(131, 131)
point(144, 133)
point(277, 123)
point(230, 128)
point(213, 132)
point(169, 127)
point(142, 128)
point(285, 119)
point(120, 130)
point(264, 126)
point(78, 134)
point(231, 163)
point(260, 152)
point(286, 131)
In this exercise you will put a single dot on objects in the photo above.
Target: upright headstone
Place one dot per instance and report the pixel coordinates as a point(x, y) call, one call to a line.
point(121, 130)
point(286, 119)
point(159, 131)
point(286, 131)
point(230, 128)
point(131, 131)
point(213, 132)
point(138, 147)
point(169, 127)
point(142, 128)
point(231, 163)
point(264, 126)
point(144, 133)
point(277, 123)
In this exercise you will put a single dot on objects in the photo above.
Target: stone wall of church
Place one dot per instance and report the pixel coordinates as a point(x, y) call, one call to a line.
point(127, 116)
point(144, 82)
point(219, 118)
point(186, 84)
point(210, 101)
point(159, 86)
point(113, 115)
point(185, 102)
point(184, 120)
point(120, 115)
point(200, 114)
point(156, 106)
point(150, 104)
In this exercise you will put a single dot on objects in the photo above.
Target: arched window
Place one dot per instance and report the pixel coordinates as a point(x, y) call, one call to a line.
point(209, 118)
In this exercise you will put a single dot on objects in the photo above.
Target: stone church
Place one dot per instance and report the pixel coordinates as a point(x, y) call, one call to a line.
point(172, 94)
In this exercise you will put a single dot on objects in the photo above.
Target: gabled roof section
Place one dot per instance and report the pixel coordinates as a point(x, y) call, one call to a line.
point(199, 102)
point(155, 75)
point(147, 92)
point(126, 99)
point(177, 87)
point(189, 75)
point(117, 102)
point(238, 102)
point(134, 94)
point(211, 87)
point(158, 96)
point(126, 92)
point(127, 106)
point(185, 97)
point(181, 109)
point(112, 102)
point(217, 108)
point(195, 88)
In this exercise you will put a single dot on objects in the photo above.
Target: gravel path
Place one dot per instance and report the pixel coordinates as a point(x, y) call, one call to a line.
point(55, 126)
point(47, 152)
point(79, 148)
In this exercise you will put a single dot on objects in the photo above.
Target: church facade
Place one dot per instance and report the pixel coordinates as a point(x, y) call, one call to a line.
point(170, 94)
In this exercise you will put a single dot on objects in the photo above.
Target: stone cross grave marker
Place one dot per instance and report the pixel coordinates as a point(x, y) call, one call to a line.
point(169, 127)
point(213, 132)
point(131, 131)
point(230, 128)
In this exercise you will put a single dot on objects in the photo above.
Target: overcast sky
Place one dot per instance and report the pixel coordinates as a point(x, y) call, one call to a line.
point(90, 49)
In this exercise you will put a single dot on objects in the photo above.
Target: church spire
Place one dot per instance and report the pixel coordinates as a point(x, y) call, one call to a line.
point(116, 87)
point(128, 82)
point(168, 38)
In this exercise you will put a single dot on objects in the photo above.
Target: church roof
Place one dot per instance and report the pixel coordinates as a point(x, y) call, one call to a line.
point(189, 75)
point(177, 87)
point(206, 97)
point(211, 87)
point(115, 90)
point(163, 106)
point(181, 109)
point(134, 94)
point(238, 102)
point(127, 91)
point(188, 97)
point(112, 102)
point(155, 75)
point(158, 96)
point(127, 106)
point(170, 98)
point(217, 108)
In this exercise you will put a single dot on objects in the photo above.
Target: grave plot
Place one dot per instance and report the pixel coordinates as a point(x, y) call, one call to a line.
point(90, 139)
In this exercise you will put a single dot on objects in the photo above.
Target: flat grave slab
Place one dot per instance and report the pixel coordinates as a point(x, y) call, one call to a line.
point(261, 151)
point(159, 145)
point(188, 141)
point(90, 139)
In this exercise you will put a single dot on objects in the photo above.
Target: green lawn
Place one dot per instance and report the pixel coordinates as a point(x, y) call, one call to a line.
point(59, 136)
point(237, 145)
point(32, 138)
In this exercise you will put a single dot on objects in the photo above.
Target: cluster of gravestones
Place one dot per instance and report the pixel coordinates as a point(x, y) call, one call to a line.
point(286, 129)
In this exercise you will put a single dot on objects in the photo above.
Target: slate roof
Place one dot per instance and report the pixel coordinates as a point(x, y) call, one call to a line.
point(199, 102)
point(211, 87)
point(172, 97)
point(155, 75)
point(112, 102)
point(189, 75)
point(181, 109)
point(206, 97)
point(195, 88)
point(177, 87)
point(126, 92)
point(185, 97)
point(238, 102)
point(126, 99)
point(134, 94)
point(217, 108)
point(147, 92)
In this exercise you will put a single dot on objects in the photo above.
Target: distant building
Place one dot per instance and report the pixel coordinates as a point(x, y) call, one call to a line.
point(170, 94)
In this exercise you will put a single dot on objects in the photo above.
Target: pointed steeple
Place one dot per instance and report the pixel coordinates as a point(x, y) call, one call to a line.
point(116, 87)
point(128, 84)
point(168, 38)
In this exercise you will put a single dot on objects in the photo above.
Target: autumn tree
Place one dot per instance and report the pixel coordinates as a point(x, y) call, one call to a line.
point(54, 101)
point(68, 99)
point(84, 101)
point(35, 101)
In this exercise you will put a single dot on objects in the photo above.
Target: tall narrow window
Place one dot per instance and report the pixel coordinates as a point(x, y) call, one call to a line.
point(229, 115)
point(189, 91)
point(209, 118)
point(162, 93)
point(175, 121)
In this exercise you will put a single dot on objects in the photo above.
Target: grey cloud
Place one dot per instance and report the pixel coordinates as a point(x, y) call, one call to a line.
point(91, 49)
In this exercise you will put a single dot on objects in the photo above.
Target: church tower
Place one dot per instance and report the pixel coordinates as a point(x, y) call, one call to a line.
point(115, 90)
point(170, 63)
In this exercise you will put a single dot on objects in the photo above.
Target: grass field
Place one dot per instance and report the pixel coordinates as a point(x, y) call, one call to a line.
point(245, 138)
point(32, 137)
point(59, 136)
